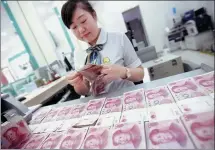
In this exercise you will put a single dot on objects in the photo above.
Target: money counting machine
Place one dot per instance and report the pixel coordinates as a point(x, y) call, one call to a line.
point(8, 103)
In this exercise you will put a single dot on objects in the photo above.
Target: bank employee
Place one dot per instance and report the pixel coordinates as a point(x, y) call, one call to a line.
point(113, 50)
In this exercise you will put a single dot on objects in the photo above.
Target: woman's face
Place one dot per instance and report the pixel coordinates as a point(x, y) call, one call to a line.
point(206, 132)
point(11, 135)
point(162, 137)
point(92, 143)
point(122, 138)
point(84, 26)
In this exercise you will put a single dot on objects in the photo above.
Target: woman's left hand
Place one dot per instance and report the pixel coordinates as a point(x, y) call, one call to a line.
point(113, 72)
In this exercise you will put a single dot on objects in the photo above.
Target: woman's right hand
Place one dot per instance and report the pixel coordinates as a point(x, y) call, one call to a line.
point(75, 78)
point(80, 84)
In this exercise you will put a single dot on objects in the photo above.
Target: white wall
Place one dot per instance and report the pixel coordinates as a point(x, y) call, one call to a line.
point(39, 30)
point(11, 48)
point(53, 25)
point(26, 32)
point(156, 15)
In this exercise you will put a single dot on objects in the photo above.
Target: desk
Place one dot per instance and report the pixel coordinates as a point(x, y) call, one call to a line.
point(148, 85)
point(40, 95)
point(195, 58)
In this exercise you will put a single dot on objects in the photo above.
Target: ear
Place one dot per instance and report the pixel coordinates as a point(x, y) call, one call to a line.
point(94, 15)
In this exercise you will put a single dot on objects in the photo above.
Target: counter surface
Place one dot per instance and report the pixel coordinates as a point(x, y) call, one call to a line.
point(40, 95)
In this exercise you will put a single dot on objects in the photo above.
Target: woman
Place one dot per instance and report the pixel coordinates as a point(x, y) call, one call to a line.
point(121, 66)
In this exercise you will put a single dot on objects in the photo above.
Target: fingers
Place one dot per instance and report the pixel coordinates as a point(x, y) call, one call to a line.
point(73, 75)
point(108, 78)
point(105, 66)
point(105, 71)
point(74, 78)
point(75, 81)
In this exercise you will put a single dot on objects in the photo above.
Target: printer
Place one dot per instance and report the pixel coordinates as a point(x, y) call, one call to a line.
point(198, 19)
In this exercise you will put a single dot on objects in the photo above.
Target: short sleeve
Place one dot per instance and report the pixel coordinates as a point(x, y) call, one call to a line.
point(131, 59)
point(79, 59)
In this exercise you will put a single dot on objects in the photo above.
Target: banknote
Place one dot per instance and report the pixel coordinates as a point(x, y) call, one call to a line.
point(167, 134)
point(64, 112)
point(93, 74)
point(41, 128)
point(52, 141)
point(73, 138)
point(163, 112)
point(68, 124)
point(14, 133)
point(201, 129)
point(112, 105)
point(97, 138)
point(86, 121)
point(134, 100)
point(77, 112)
point(98, 85)
point(94, 107)
point(39, 115)
point(53, 126)
point(51, 116)
point(196, 105)
point(35, 141)
point(90, 71)
point(109, 120)
point(184, 89)
point(158, 96)
point(205, 81)
point(134, 116)
point(128, 136)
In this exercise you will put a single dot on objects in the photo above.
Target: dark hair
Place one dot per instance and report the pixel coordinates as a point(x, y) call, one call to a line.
point(69, 8)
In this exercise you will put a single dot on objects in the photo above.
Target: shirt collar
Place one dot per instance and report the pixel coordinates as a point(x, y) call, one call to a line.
point(102, 39)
